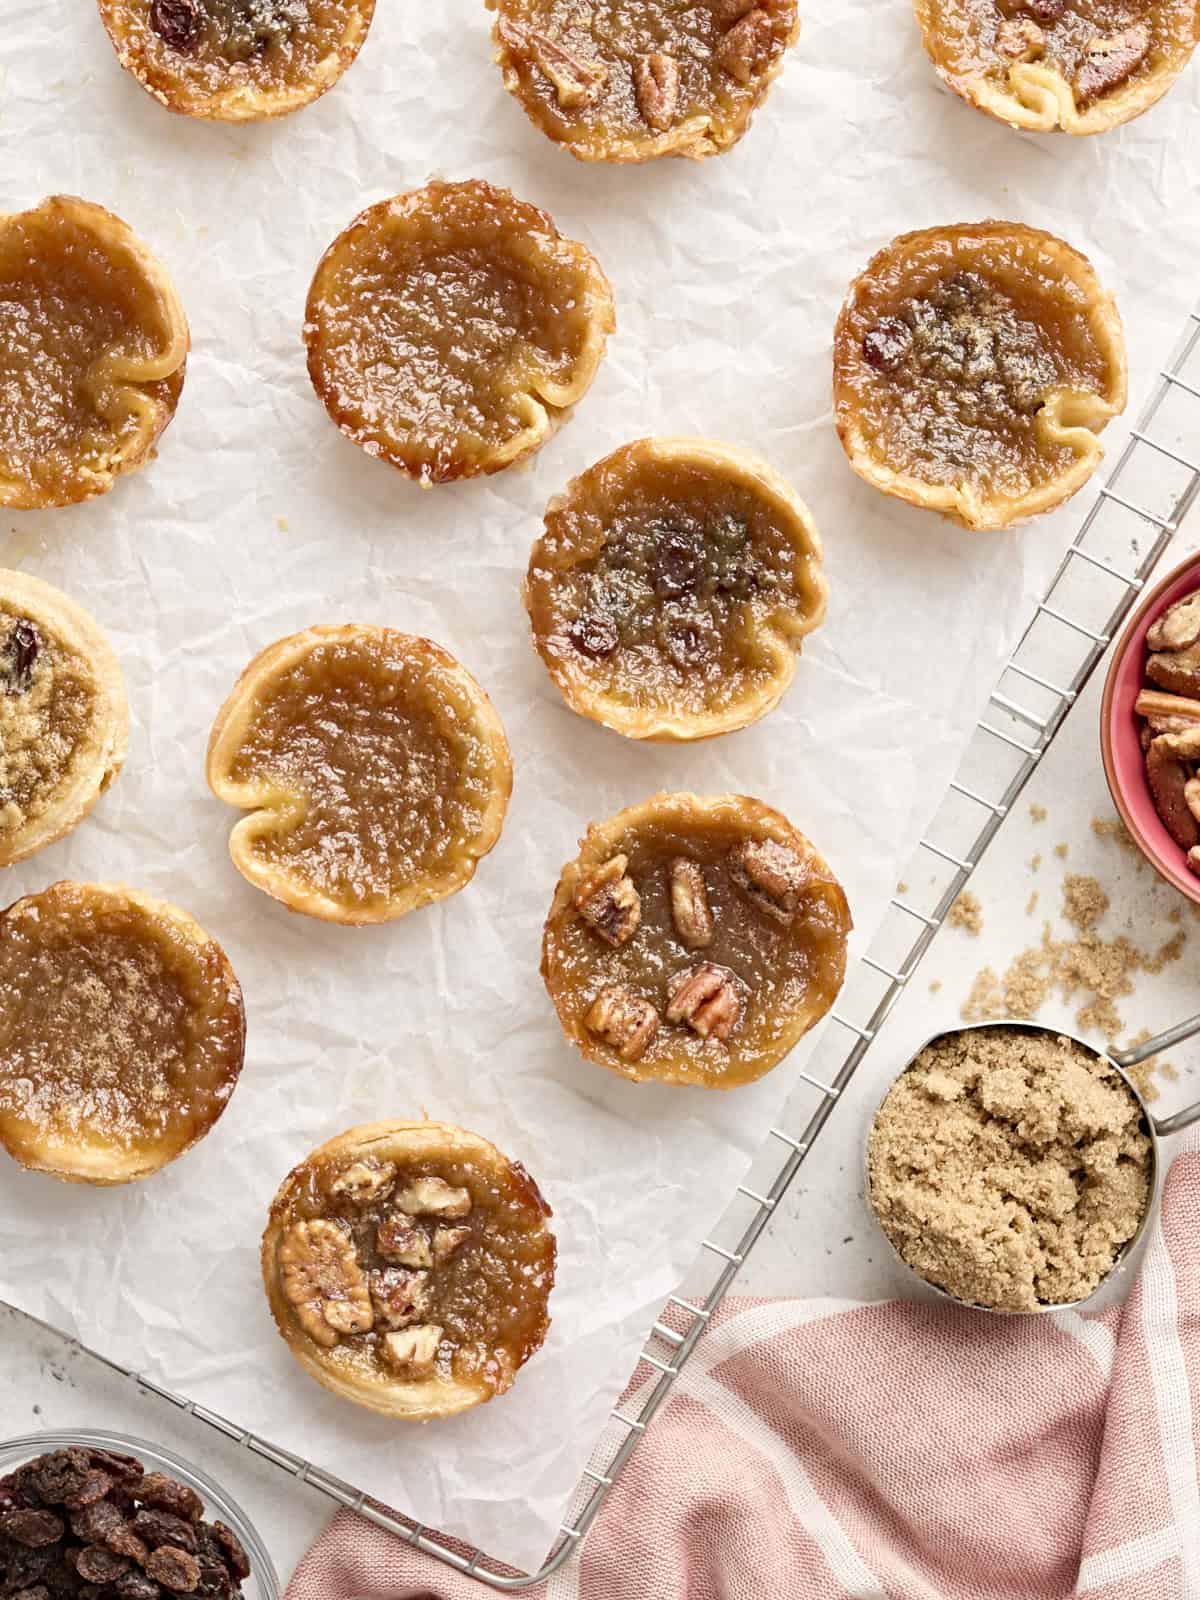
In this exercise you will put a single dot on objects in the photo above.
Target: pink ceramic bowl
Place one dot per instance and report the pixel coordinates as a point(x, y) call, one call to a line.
point(1124, 764)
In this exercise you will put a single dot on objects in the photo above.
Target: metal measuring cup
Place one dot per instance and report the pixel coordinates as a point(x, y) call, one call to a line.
point(1157, 1128)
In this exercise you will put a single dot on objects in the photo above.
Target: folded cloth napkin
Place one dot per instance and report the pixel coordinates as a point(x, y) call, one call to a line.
point(814, 1450)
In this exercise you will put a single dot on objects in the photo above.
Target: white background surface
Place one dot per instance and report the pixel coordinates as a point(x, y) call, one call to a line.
point(727, 279)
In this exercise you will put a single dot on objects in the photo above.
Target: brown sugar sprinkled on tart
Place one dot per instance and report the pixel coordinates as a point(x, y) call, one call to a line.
point(408, 1266)
point(93, 342)
point(450, 330)
point(64, 720)
point(236, 60)
point(672, 588)
point(737, 948)
point(373, 767)
point(121, 1032)
point(1077, 65)
point(614, 81)
point(973, 368)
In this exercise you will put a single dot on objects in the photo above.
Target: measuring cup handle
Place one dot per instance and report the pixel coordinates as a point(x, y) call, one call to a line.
point(1164, 1041)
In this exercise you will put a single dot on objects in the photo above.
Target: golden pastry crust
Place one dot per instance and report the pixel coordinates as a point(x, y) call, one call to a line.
point(672, 587)
point(630, 82)
point(450, 330)
point(227, 61)
point(374, 769)
point(973, 367)
point(122, 1032)
point(465, 1264)
point(64, 719)
point(1081, 66)
point(93, 345)
point(694, 940)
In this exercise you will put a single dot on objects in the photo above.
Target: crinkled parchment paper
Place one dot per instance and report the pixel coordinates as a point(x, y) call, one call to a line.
point(258, 518)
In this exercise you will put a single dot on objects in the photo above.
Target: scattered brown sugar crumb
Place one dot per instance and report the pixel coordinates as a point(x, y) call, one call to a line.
point(1146, 1071)
point(1037, 812)
point(1174, 915)
point(935, 985)
point(1031, 904)
point(985, 1003)
point(1113, 828)
point(1009, 1167)
point(966, 913)
point(1084, 901)
point(902, 887)
point(1060, 850)
point(1035, 863)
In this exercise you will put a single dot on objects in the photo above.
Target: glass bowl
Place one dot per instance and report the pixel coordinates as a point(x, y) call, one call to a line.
point(263, 1582)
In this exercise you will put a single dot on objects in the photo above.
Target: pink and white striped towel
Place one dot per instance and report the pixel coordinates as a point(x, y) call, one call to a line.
point(816, 1450)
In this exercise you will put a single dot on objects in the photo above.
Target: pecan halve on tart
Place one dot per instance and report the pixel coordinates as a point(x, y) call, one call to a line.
point(64, 719)
point(450, 330)
point(1077, 65)
point(122, 1032)
point(973, 368)
point(93, 345)
point(672, 588)
point(408, 1267)
point(236, 60)
point(694, 940)
point(374, 770)
point(614, 82)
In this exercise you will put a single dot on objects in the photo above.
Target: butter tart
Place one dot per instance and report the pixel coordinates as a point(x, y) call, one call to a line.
point(450, 329)
point(374, 769)
point(236, 60)
point(694, 940)
point(611, 81)
point(121, 1032)
point(408, 1266)
point(64, 719)
point(93, 344)
point(973, 367)
point(672, 587)
point(1077, 65)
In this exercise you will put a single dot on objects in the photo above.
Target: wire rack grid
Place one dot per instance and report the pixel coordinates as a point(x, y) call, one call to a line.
point(1152, 485)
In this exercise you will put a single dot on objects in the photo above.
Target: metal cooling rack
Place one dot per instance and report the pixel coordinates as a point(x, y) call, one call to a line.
point(1149, 490)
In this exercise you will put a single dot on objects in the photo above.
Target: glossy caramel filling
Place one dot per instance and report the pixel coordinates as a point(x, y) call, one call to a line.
point(69, 305)
point(780, 970)
point(117, 1034)
point(955, 363)
point(656, 589)
point(376, 762)
point(440, 325)
point(605, 78)
point(48, 710)
point(487, 1296)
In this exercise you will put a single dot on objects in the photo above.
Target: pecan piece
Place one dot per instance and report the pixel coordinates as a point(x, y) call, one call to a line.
point(175, 1570)
point(413, 1352)
point(1167, 713)
point(886, 344)
point(401, 1297)
point(769, 875)
point(577, 81)
point(365, 1181)
point(656, 89)
point(1177, 671)
point(397, 1238)
point(446, 1242)
point(323, 1281)
point(434, 1197)
point(708, 998)
point(1168, 778)
point(623, 1021)
point(690, 910)
point(1020, 39)
point(177, 23)
point(1108, 63)
point(745, 48)
point(1177, 627)
point(609, 903)
point(1191, 795)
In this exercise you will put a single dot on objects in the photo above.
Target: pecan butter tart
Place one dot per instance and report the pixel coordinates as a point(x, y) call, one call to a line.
point(121, 1032)
point(236, 60)
point(973, 367)
point(672, 587)
point(629, 80)
point(373, 767)
point(93, 343)
point(694, 940)
point(450, 330)
point(64, 719)
point(408, 1266)
point(1077, 65)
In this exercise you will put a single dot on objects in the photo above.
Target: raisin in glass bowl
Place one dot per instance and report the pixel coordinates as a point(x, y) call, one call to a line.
point(263, 1582)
